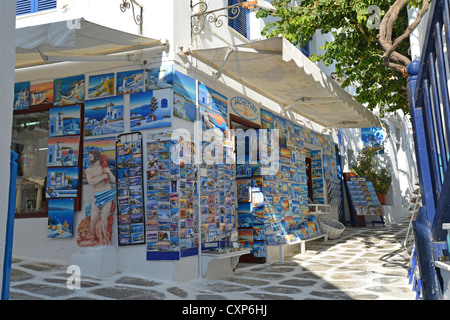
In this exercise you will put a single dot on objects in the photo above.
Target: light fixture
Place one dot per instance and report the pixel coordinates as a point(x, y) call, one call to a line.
point(137, 17)
point(198, 19)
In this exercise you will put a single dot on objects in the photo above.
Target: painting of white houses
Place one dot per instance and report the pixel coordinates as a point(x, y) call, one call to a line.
point(62, 182)
point(63, 151)
point(64, 121)
point(149, 110)
point(103, 116)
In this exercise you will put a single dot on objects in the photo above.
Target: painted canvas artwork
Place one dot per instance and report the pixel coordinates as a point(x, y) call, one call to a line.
point(69, 90)
point(184, 97)
point(64, 121)
point(63, 151)
point(21, 96)
point(211, 120)
point(130, 82)
point(266, 119)
point(106, 146)
point(212, 100)
point(103, 116)
point(149, 110)
point(41, 93)
point(160, 77)
point(61, 216)
point(101, 85)
point(62, 182)
point(372, 138)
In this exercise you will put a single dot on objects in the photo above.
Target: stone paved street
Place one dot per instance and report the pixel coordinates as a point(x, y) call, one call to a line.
point(362, 264)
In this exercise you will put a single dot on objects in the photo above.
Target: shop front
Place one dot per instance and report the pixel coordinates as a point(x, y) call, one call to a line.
point(158, 169)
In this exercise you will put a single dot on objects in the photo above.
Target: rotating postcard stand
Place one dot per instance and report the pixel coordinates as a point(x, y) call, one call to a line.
point(130, 197)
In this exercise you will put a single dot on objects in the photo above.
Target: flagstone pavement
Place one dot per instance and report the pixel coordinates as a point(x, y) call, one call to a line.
point(364, 263)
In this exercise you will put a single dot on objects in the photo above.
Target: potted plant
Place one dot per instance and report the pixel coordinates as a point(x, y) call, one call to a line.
point(369, 166)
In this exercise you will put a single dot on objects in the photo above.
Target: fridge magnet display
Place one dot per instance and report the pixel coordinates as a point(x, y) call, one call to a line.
point(149, 110)
point(69, 90)
point(64, 121)
point(41, 93)
point(130, 82)
point(130, 191)
point(101, 85)
point(103, 116)
point(62, 182)
point(21, 96)
point(184, 97)
point(60, 218)
point(63, 151)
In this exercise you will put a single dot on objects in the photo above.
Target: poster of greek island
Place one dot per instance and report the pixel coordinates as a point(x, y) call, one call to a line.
point(184, 97)
point(60, 218)
point(130, 82)
point(64, 121)
point(62, 182)
point(63, 151)
point(21, 95)
point(101, 85)
point(41, 93)
point(151, 109)
point(103, 116)
point(69, 90)
point(212, 100)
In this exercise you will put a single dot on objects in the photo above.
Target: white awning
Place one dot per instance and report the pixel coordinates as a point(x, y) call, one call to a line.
point(75, 40)
point(277, 70)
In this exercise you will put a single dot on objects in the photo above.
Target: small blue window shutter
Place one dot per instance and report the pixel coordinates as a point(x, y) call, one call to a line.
point(24, 6)
point(46, 5)
point(240, 24)
point(32, 6)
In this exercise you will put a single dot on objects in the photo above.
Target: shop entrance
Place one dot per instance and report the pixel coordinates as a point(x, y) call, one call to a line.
point(245, 178)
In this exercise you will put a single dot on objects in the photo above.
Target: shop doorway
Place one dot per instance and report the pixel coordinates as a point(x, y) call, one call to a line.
point(244, 205)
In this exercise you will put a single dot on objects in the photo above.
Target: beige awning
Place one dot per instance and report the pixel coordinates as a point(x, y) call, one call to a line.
point(75, 40)
point(277, 70)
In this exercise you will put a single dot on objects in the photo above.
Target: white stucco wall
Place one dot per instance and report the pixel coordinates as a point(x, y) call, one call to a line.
point(7, 25)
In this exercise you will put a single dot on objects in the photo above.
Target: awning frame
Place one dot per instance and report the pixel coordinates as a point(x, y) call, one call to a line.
point(335, 95)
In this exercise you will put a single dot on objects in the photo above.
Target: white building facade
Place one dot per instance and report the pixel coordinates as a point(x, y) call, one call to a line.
point(175, 42)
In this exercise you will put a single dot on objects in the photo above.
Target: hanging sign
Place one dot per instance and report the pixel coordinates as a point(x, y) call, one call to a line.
point(244, 108)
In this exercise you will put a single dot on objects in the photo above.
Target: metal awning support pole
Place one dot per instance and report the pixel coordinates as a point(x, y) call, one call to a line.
point(227, 55)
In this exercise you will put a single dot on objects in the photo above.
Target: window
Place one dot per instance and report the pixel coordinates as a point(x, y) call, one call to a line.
point(240, 24)
point(30, 142)
point(32, 6)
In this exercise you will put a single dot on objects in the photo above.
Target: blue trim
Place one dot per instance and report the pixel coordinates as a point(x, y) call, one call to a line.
point(33, 6)
point(9, 227)
point(429, 280)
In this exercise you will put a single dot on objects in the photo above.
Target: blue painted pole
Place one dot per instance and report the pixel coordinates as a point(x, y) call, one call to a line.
point(428, 275)
point(9, 227)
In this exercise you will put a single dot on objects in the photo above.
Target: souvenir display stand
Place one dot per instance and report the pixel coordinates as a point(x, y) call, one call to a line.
point(183, 188)
point(363, 201)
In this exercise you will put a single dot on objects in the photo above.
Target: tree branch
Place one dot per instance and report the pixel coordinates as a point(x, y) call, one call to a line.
point(391, 58)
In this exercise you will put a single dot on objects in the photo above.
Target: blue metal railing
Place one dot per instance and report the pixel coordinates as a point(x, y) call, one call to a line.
point(430, 115)
point(9, 227)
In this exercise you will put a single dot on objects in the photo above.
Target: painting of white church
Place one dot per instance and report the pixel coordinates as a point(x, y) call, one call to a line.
point(103, 116)
point(64, 121)
point(63, 151)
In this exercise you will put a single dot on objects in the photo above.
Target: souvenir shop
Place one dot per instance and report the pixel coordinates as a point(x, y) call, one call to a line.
point(164, 166)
